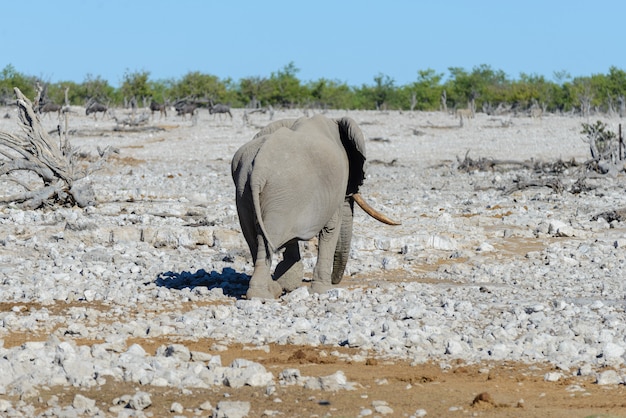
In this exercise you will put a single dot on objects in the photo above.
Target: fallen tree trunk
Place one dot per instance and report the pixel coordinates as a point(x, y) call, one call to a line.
point(553, 183)
point(55, 164)
point(489, 164)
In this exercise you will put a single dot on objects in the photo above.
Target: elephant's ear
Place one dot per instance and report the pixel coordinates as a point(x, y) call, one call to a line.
point(274, 126)
point(354, 143)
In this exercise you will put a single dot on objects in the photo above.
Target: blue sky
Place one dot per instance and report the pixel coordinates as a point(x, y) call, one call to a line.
point(349, 41)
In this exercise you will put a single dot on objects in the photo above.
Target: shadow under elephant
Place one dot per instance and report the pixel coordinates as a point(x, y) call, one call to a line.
point(231, 282)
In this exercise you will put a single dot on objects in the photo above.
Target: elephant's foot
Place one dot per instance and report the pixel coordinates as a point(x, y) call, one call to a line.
point(292, 279)
point(272, 291)
point(317, 287)
point(276, 289)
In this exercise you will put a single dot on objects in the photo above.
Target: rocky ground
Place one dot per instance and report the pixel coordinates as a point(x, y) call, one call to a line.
point(499, 295)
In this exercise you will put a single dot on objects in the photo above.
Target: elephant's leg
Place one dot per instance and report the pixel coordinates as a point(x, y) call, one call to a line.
point(328, 237)
point(261, 283)
point(290, 271)
point(245, 212)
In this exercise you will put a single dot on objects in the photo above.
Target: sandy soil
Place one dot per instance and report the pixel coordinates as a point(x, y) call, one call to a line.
point(496, 389)
point(487, 390)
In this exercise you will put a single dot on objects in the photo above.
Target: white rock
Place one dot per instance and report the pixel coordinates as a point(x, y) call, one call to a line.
point(83, 403)
point(302, 325)
point(5, 405)
point(553, 376)
point(443, 243)
point(178, 351)
point(140, 401)
point(499, 351)
point(205, 406)
point(89, 295)
point(455, 348)
point(290, 376)
point(177, 408)
point(382, 407)
point(333, 382)
point(232, 409)
point(221, 312)
point(608, 377)
point(297, 295)
point(485, 247)
point(560, 229)
point(244, 372)
point(612, 351)
point(357, 339)
point(200, 356)
point(337, 293)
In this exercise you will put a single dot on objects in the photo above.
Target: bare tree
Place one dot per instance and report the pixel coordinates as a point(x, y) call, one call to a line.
point(535, 111)
point(503, 109)
point(603, 143)
point(443, 101)
point(67, 99)
point(413, 101)
point(44, 104)
point(585, 97)
point(471, 104)
point(55, 165)
point(466, 114)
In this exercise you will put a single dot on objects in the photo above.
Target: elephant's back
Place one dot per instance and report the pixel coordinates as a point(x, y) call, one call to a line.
point(302, 180)
point(286, 147)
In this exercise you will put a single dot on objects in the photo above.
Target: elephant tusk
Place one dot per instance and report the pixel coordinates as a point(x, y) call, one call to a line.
point(372, 212)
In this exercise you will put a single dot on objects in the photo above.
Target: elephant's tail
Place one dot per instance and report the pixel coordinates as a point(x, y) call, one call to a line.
point(256, 195)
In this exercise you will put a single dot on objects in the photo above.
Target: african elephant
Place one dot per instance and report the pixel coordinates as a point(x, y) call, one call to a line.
point(296, 179)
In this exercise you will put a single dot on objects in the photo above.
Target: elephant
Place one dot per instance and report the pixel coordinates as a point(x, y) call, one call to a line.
point(297, 179)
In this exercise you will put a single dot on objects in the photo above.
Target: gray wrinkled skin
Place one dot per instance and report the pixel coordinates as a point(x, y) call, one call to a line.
point(293, 182)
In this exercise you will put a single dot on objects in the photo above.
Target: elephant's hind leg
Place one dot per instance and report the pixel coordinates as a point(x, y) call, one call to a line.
point(261, 283)
point(289, 271)
point(328, 238)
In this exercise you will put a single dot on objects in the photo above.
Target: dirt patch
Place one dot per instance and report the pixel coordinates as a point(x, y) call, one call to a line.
point(499, 389)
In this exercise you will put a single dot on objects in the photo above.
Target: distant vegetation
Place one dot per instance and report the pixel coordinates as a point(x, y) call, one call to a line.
point(489, 88)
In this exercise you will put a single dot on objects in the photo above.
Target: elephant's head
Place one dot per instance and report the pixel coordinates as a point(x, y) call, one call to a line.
point(354, 144)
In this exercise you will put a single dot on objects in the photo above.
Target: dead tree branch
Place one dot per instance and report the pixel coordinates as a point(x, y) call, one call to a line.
point(554, 183)
point(468, 164)
point(55, 164)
